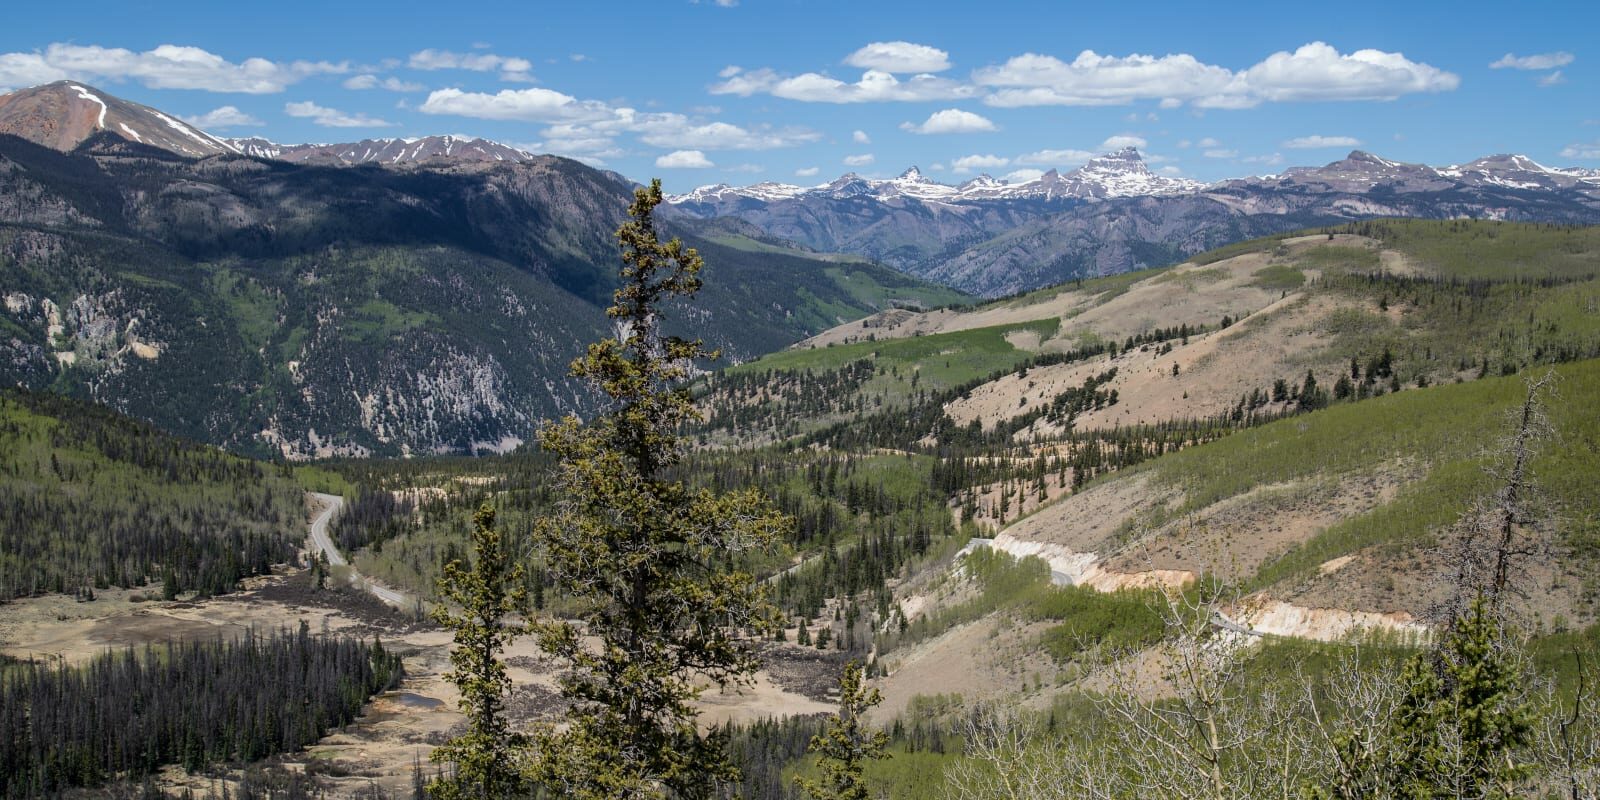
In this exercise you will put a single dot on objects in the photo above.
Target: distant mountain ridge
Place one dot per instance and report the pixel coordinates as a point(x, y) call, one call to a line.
point(1114, 214)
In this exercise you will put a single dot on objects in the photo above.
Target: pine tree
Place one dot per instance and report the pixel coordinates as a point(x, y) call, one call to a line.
point(845, 745)
point(487, 758)
point(650, 560)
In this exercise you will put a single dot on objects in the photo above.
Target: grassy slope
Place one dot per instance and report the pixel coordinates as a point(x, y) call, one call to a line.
point(1452, 431)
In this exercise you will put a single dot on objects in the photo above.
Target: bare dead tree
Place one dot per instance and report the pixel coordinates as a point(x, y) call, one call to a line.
point(1493, 541)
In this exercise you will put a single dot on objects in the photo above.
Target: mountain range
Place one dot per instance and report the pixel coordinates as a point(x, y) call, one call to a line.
point(316, 306)
point(1114, 214)
point(401, 296)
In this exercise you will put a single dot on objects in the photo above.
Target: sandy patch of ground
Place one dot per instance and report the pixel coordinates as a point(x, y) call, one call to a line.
point(986, 659)
point(1088, 520)
point(1236, 537)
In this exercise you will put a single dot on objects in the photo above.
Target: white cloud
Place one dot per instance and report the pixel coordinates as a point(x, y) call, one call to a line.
point(673, 130)
point(875, 86)
point(1124, 140)
point(332, 117)
point(1314, 72)
point(899, 57)
point(859, 161)
point(807, 172)
point(1318, 72)
point(224, 117)
point(1553, 79)
point(509, 67)
point(1270, 160)
point(1220, 153)
point(165, 67)
point(1022, 175)
point(1539, 61)
point(951, 120)
point(1053, 158)
point(1208, 142)
point(861, 137)
point(966, 164)
point(1311, 142)
point(747, 168)
point(1582, 150)
point(525, 105)
point(1092, 79)
point(1170, 171)
point(370, 81)
point(684, 159)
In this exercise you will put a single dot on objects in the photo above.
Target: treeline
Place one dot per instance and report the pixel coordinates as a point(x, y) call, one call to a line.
point(90, 499)
point(128, 713)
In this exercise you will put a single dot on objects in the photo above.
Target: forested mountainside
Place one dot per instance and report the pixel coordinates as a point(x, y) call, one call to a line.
point(90, 499)
point(1114, 214)
point(311, 310)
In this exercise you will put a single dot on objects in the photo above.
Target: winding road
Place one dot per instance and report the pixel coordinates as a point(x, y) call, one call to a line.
point(322, 543)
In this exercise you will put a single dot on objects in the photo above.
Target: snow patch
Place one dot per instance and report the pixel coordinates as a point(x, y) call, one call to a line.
point(90, 96)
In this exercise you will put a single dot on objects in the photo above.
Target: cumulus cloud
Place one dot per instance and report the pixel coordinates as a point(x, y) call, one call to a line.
point(224, 117)
point(1208, 142)
point(332, 117)
point(1319, 72)
point(966, 164)
point(1092, 79)
point(807, 172)
point(1312, 142)
point(747, 168)
point(951, 120)
point(524, 105)
point(1053, 158)
point(1553, 79)
point(1314, 72)
point(859, 161)
point(1582, 150)
point(165, 67)
point(1124, 140)
point(1539, 61)
point(861, 137)
point(1022, 175)
point(899, 57)
point(510, 68)
point(1218, 152)
point(684, 159)
point(875, 86)
point(370, 81)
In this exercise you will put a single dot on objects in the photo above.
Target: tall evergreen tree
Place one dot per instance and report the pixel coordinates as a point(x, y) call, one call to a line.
point(478, 602)
point(845, 745)
point(649, 560)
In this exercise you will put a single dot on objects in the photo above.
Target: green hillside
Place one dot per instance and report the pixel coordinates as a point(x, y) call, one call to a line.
point(90, 499)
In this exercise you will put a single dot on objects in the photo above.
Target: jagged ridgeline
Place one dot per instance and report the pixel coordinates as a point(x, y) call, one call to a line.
point(315, 310)
point(127, 713)
point(90, 499)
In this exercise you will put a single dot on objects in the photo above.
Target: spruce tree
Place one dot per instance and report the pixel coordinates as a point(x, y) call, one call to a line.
point(478, 602)
point(845, 745)
point(650, 562)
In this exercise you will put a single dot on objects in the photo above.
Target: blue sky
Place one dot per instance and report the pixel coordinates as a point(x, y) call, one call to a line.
point(801, 91)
